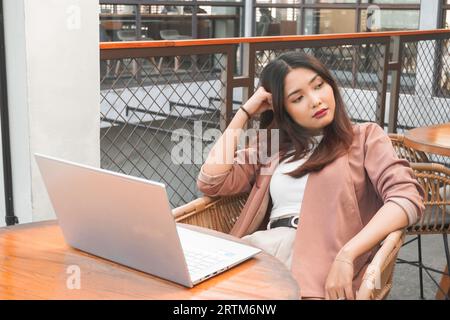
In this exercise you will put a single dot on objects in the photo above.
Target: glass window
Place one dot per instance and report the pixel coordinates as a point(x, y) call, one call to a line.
point(322, 21)
point(399, 2)
point(389, 20)
point(165, 22)
point(218, 22)
point(330, 1)
point(278, 1)
point(217, 0)
point(277, 21)
point(117, 23)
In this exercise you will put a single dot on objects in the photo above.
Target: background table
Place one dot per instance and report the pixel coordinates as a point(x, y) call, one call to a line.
point(434, 139)
point(34, 260)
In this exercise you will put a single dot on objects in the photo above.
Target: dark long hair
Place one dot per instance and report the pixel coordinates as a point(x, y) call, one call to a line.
point(337, 136)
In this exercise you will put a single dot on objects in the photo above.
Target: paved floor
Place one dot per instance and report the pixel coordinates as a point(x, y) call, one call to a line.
point(406, 277)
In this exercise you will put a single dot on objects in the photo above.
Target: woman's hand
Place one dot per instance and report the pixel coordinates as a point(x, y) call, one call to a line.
point(339, 281)
point(259, 102)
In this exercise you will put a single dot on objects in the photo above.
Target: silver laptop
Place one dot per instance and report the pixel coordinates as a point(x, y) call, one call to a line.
point(128, 220)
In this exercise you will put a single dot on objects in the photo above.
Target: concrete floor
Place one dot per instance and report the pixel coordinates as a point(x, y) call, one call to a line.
point(406, 277)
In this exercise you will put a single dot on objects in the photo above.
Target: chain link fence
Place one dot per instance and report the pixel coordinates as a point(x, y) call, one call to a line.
point(147, 95)
point(424, 86)
point(144, 101)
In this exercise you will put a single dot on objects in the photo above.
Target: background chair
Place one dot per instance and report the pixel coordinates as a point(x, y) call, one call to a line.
point(434, 179)
point(222, 212)
point(130, 35)
point(172, 34)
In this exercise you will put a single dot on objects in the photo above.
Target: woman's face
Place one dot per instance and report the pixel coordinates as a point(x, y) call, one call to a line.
point(308, 99)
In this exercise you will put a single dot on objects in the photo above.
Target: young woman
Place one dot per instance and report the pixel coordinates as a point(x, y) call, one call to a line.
point(331, 194)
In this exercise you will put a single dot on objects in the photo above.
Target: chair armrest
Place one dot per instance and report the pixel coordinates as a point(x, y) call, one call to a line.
point(410, 154)
point(377, 280)
point(429, 166)
point(216, 213)
point(192, 207)
point(435, 181)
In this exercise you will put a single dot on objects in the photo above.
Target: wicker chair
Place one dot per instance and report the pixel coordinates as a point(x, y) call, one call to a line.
point(405, 152)
point(434, 178)
point(221, 213)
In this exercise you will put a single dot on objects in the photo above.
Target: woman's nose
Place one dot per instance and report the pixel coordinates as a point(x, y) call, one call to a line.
point(315, 100)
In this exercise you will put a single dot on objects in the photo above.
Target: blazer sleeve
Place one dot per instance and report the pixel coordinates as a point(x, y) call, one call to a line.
point(238, 179)
point(392, 178)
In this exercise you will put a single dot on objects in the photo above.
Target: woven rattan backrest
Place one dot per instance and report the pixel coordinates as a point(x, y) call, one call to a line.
point(405, 152)
point(435, 180)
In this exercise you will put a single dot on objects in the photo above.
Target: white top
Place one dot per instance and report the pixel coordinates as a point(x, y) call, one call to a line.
point(287, 192)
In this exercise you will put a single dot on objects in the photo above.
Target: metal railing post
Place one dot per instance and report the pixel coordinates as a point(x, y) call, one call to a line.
point(248, 71)
point(396, 70)
point(227, 91)
point(382, 85)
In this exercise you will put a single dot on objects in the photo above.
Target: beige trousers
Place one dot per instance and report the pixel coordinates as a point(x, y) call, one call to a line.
point(278, 242)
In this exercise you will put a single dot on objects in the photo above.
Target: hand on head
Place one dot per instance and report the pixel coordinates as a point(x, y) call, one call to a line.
point(259, 102)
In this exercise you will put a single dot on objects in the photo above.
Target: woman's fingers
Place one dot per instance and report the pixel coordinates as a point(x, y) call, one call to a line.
point(260, 101)
point(331, 293)
point(349, 292)
point(341, 294)
point(266, 106)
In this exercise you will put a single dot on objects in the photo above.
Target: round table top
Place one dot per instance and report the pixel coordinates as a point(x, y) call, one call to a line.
point(435, 139)
point(35, 263)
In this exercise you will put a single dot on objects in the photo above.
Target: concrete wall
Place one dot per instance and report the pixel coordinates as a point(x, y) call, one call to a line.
point(53, 90)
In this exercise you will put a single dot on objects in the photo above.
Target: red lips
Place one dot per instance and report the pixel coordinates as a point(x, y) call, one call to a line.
point(320, 113)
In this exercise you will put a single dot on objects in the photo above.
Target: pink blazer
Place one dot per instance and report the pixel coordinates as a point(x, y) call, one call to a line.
point(339, 201)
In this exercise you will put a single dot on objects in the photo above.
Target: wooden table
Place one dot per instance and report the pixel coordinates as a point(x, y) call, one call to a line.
point(435, 139)
point(34, 262)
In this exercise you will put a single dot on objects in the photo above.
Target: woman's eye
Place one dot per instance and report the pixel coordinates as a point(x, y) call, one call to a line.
point(319, 85)
point(298, 99)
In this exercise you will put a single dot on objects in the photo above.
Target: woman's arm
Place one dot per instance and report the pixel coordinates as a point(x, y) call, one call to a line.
point(227, 171)
point(221, 155)
point(389, 218)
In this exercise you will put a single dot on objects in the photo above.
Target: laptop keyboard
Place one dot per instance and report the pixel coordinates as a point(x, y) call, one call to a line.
point(199, 260)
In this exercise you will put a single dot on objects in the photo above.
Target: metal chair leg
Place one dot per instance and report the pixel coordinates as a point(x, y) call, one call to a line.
point(447, 257)
point(419, 251)
point(447, 252)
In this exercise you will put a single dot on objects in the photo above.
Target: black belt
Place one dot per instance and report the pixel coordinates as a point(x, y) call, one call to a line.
point(291, 222)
